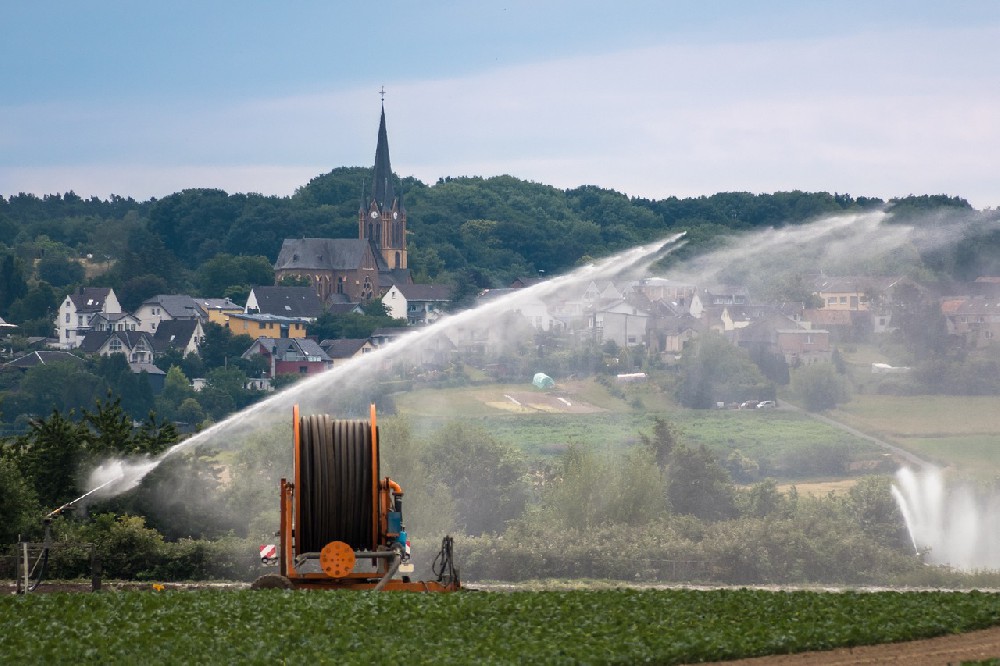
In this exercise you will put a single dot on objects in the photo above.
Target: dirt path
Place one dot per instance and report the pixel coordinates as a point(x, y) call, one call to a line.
point(973, 646)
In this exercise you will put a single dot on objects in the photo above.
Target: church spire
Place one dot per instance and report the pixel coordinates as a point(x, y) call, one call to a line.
point(382, 191)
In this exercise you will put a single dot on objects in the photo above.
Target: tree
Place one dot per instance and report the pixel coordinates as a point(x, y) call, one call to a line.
point(18, 502)
point(819, 386)
point(50, 455)
point(224, 271)
point(60, 271)
point(716, 371)
point(12, 282)
point(663, 442)
point(698, 486)
point(220, 346)
point(486, 476)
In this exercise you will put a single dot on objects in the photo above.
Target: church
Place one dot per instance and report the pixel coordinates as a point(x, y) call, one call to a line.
point(362, 268)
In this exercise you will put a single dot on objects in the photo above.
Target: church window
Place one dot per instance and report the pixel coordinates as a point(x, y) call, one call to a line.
point(398, 260)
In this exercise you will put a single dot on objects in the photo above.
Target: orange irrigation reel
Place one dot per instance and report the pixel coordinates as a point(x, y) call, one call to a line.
point(341, 524)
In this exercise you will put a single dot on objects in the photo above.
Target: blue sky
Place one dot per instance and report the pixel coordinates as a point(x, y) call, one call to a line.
point(650, 98)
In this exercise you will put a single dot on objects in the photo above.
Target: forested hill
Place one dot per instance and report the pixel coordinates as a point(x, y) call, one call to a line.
point(478, 232)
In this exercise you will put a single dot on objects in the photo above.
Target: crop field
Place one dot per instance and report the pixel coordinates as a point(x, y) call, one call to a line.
point(595, 418)
point(596, 627)
point(951, 430)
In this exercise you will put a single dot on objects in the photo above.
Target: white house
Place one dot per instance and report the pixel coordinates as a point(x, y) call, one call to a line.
point(121, 321)
point(419, 304)
point(78, 310)
point(165, 307)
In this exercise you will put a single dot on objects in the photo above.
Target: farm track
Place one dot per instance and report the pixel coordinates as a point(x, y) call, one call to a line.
point(974, 646)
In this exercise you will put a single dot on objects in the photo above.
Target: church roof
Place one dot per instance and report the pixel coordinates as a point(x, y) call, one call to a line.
point(336, 254)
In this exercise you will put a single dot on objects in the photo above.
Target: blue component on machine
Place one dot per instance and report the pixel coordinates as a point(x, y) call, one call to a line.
point(395, 522)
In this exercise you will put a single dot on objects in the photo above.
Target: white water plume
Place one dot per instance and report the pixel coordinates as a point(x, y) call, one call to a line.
point(326, 392)
point(948, 522)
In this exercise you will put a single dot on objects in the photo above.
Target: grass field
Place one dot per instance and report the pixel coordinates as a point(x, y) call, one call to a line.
point(598, 627)
point(591, 416)
point(960, 431)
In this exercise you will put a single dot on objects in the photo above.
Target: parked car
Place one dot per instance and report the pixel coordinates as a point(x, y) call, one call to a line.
point(749, 404)
point(767, 404)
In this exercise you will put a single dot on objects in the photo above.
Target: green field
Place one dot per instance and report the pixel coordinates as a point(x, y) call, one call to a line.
point(598, 627)
point(961, 431)
point(777, 436)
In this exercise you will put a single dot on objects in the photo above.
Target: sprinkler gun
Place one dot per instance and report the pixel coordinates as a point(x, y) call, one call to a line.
point(69, 505)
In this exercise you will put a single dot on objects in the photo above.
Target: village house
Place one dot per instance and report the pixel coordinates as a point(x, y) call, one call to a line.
point(265, 326)
point(165, 307)
point(120, 321)
point(973, 320)
point(302, 356)
point(418, 304)
point(183, 335)
point(342, 350)
point(214, 310)
point(137, 346)
point(78, 310)
point(299, 302)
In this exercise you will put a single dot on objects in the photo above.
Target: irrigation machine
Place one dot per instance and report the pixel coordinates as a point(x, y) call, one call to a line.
point(341, 524)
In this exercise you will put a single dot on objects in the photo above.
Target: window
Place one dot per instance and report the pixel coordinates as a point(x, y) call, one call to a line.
point(115, 345)
point(303, 369)
point(843, 299)
point(79, 320)
point(67, 317)
point(831, 300)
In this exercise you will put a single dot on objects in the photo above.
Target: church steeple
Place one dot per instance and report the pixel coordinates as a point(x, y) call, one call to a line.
point(382, 191)
point(382, 218)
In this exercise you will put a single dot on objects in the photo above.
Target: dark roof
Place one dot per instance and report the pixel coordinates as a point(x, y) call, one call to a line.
point(148, 368)
point(297, 346)
point(426, 292)
point(342, 308)
point(94, 340)
point(178, 306)
point(206, 304)
point(43, 358)
point(382, 190)
point(344, 254)
point(174, 333)
point(397, 276)
point(90, 299)
point(345, 348)
point(288, 301)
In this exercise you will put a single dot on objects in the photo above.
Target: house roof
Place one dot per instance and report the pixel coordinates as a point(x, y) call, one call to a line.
point(90, 299)
point(283, 346)
point(825, 317)
point(95, 340)
point(43, 358)
point(345, 348)
point(269, 318)
point(175, 333)
point(343, 254)
point(426, 292)
point(148, 368)
point(288, 301)
point(206, 304)
point(178, 306)
point(853, 283)
point(970, 305)
point(342, 308)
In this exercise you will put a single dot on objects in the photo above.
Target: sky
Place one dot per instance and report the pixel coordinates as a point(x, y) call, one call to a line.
point(649, 98)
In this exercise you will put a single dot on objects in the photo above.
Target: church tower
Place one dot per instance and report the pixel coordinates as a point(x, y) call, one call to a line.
point(382, 217)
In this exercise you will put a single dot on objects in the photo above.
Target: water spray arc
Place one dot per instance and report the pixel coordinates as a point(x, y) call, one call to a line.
point(319, 393)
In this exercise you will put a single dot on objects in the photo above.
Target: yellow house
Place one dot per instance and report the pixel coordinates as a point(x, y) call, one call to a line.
point(266, 326)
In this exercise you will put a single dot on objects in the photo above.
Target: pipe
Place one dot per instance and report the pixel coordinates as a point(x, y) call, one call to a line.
point(393, 568)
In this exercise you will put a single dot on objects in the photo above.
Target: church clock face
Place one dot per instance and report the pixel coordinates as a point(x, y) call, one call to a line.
point(395, 215)
point(374, 214)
